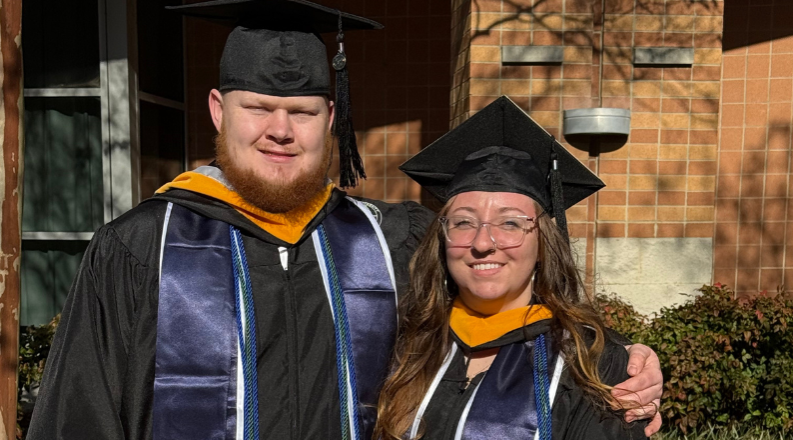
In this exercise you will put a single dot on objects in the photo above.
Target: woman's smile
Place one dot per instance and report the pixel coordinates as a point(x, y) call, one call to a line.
point(486, 268)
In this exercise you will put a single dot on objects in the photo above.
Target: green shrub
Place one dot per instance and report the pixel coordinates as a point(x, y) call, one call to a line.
point(714, 433)
point(726, 362)
point(34, 346)
point(621, 316)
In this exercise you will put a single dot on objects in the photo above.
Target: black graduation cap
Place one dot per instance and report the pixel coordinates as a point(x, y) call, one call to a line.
point(275, 49)
point(501, 149)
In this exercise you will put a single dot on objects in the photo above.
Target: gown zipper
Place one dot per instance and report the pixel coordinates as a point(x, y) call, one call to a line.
point(283, 254)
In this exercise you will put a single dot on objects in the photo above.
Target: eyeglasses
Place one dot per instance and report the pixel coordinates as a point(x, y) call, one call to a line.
point(504, 231)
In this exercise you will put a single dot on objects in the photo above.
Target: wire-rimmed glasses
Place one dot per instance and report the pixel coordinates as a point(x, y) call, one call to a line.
point(504, 232)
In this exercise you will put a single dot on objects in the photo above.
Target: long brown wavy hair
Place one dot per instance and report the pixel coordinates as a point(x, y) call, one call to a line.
point(424, 335)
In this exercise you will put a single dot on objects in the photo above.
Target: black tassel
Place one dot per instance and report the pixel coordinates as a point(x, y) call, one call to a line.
point(557, 193)
point(350, 163)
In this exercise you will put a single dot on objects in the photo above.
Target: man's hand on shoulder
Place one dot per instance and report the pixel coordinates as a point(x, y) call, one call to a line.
point(645, 387)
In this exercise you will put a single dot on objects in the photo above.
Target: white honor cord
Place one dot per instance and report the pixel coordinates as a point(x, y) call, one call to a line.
point(240, 395)
point(165, 224)
point(240, 372)
point(557, 375)
point(461, 424)
point(350, 408)
point(414, 430)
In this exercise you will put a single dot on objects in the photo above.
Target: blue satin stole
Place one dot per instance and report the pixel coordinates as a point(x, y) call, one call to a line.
point(503, 406)
point(195, 385)
point(195, 373)
point(365, 273)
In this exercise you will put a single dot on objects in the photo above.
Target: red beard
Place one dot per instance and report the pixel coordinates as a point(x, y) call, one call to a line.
point(273, 197)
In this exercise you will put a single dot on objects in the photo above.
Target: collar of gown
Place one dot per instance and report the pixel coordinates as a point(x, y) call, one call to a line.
point(478, 332)
point(287, 226)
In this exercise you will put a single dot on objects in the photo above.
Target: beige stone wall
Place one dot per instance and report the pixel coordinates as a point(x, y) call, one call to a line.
point(653, 272)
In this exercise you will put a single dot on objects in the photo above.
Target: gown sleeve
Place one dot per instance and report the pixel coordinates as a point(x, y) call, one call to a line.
point(577, 417)
point(420, 219)
point(81, 391)
point(403, 225)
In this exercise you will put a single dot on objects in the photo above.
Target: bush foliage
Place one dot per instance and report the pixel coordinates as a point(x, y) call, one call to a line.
point(727, 362)
point(713, 433)
point(34, 346)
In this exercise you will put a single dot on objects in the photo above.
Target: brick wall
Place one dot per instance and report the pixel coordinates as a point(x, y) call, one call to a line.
point(660, 198)
point(400, 80)
point(663, 180)
point(698, 191)
point(754, 232)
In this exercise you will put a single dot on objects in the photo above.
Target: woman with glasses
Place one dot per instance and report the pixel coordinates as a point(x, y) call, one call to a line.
point(497, 339)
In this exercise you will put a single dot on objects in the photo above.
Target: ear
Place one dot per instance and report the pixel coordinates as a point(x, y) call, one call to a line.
point(216, 108)
point(331, 115)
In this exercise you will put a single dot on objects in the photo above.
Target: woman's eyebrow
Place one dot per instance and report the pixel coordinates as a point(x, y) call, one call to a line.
point(508, 209)
point(466, 209)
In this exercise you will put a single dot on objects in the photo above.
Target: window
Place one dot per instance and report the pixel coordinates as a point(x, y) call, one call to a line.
point(162, 90)
point(94, 140)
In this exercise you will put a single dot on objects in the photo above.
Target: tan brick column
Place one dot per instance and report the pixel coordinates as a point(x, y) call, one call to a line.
point(754, 227)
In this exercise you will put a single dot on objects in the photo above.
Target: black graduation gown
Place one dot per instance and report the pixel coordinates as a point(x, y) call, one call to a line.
point(574, 416)
point(99, 376)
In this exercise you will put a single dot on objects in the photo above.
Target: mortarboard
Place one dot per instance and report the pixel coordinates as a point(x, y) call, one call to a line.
point(501, 149)
point(275, 49)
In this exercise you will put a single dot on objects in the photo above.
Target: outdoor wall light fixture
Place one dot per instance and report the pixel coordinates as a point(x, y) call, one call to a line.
point(597, 121)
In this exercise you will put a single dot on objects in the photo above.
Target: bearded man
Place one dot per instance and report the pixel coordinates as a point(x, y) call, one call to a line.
point(250, 298)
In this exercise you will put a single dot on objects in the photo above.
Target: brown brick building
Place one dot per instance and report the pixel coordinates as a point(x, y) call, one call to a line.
point(697, 189)
point(697, 192)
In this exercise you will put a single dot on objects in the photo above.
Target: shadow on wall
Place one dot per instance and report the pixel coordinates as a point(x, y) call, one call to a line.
point(749, 22)
point(752, 234)
point(753, 208)
point(545, 13)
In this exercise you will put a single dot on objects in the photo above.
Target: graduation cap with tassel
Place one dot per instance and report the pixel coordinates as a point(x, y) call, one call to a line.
point(501, 149)
point(275, 49)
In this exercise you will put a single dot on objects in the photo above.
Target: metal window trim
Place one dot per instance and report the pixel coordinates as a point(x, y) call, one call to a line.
point(131, 46)
point(58, 92)
point(119, 110)
point(107, 189)
point(159, 100)
point(119, 106)
point(56, 236)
